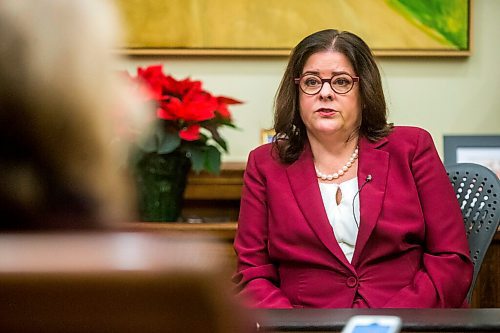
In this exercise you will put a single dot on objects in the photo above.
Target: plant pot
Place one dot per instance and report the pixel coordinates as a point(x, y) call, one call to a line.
point(161, 181)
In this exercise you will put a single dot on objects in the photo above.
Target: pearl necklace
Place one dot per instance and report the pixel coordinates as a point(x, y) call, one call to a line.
point(341, 171)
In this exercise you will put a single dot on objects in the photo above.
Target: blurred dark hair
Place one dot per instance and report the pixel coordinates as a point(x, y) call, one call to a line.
point(290, 129)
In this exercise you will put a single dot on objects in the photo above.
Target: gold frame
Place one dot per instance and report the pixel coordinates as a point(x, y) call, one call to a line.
point(140, 10)
point(266, 135)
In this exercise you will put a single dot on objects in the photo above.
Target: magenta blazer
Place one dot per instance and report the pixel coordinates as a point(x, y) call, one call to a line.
point(411, 249)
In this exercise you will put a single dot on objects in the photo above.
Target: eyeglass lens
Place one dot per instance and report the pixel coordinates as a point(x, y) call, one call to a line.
point(311, 84)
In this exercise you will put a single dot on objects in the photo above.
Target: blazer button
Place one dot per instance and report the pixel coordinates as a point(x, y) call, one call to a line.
point(352, 282)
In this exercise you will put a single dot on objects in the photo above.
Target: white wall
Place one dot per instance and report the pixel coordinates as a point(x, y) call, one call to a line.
point(442, 95)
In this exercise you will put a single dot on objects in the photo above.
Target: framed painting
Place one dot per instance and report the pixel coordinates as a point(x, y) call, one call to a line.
point(267, 135)
point(262, 27)
point(483, 149)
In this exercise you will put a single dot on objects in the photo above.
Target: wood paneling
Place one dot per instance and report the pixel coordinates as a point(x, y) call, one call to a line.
point(487, 291)
point(214, 198)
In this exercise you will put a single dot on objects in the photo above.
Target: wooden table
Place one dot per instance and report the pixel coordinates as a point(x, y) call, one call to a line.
point(96, 282)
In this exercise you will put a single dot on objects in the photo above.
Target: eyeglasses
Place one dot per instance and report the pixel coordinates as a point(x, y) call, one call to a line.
point(311, 84)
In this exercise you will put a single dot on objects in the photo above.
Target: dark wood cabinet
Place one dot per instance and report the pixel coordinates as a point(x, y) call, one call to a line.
point(214, 198)
point(487, 291)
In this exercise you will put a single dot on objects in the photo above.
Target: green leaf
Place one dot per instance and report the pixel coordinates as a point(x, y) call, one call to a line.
point(206, 158)
point(149, 143)
point(216, 136)
point(168, 142)
point(227, 123)
point(197, 157)
point(212, 160)
point(219, 143)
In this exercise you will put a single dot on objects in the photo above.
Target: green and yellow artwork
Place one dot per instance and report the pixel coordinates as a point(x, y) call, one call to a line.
point(390, 27)
point(446, 21)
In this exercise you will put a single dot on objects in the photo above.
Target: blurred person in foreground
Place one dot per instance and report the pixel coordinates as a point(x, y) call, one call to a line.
point(58, 97)
point(62, 106)
point(343, 209)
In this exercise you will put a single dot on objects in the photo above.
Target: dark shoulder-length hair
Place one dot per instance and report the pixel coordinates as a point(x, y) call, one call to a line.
point(290, 129)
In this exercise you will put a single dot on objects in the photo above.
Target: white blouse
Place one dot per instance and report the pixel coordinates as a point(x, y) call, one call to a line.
point(341, 216)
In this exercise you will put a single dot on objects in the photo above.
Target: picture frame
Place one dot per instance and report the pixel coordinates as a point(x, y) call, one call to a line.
point(272, 28)
point(266, 136)
point(479, 149)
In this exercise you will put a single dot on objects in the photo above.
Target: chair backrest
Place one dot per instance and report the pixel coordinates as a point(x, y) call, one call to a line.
point(478, 191)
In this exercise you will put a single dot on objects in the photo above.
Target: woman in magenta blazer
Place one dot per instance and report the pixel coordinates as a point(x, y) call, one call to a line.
point(343, 209)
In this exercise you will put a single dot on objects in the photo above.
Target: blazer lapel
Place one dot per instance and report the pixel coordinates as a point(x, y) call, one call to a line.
point(375, 162)
point(304, 185)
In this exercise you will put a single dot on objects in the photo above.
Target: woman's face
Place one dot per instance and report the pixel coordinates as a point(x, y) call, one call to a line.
point(328, 112)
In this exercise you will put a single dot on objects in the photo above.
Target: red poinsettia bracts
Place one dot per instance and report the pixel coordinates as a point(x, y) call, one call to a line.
point(190, 133)
point(183, 109)
point(153, 77)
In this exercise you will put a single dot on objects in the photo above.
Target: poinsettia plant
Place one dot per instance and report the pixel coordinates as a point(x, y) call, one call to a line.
point(186, 118)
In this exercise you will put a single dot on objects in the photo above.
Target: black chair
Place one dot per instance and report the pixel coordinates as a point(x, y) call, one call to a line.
point(478, 190)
